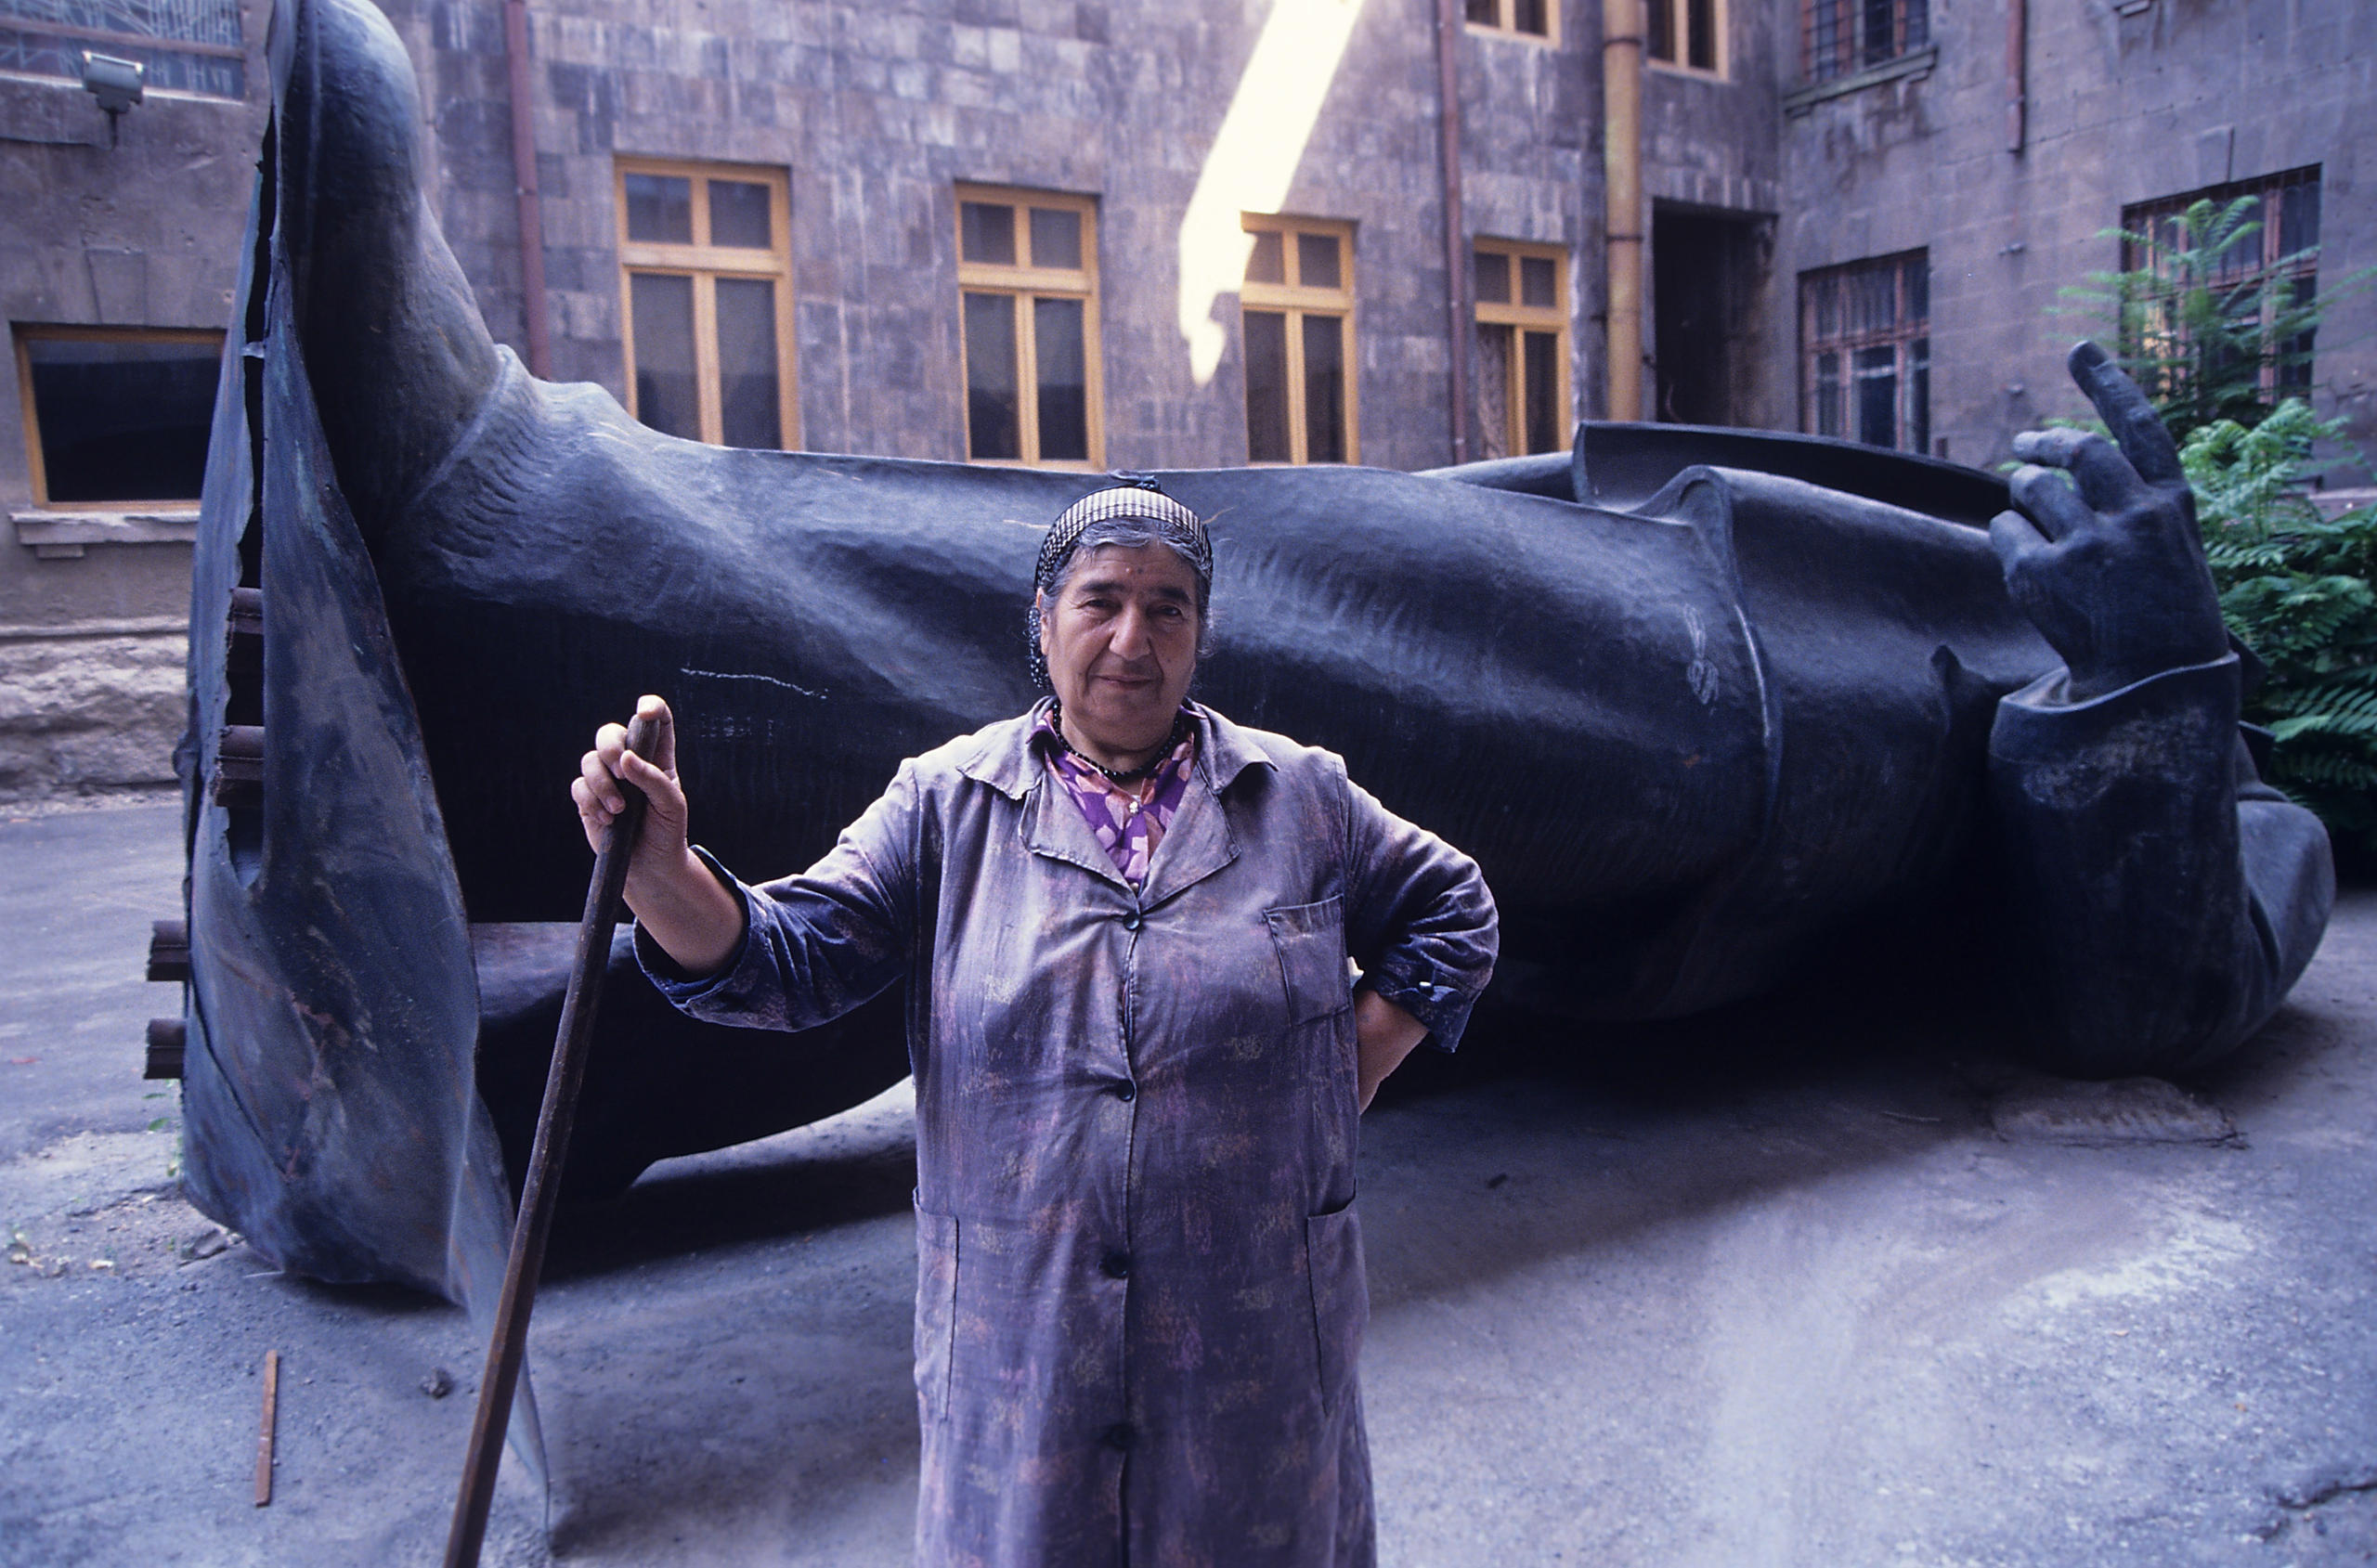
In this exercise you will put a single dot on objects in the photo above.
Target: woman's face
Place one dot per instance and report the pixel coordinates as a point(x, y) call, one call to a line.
point(1120, 640)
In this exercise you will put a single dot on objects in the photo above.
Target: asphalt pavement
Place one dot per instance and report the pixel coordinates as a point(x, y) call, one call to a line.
point(1819, 1283)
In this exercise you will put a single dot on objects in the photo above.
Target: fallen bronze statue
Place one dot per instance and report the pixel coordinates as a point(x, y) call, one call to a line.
point(1697, 701)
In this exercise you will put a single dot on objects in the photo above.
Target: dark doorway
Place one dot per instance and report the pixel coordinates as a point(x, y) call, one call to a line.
point(1707, 272)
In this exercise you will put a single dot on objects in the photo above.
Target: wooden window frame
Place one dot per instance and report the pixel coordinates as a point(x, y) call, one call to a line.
point(1846, 46)
point(1298, 301)
point(705, 263)
point(1909, 333)
point(1023, 283)
point(38, 469)
point(1505, 22)
point(1679, 15)
point(1520, 317)
point(2251, 265)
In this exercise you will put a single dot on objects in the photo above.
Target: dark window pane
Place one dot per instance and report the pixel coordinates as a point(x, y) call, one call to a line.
point(994, 418)
point(1827, 395)
point(1483, 13)
point(1701, 33)
point(1316, 261)
point(1918, 290)
point(986, 232)
point(1824, 39)
point(739, 215)
point(1266, 386)
point(1543, 432)
point(2298, 220)
point(1536, 281)
point(122, 421)
point(1918, 409)
point(1527, 16)
point(1268, 262)
point(660, 209)
point(1056, 238)
point(1880, 35)
point(1324, 389)
point(1662, 34)
point(1057, 341)
point(1878, 396)
point(1492, 269)
point(748, 392)
point(666, 396)
point(1917, 28)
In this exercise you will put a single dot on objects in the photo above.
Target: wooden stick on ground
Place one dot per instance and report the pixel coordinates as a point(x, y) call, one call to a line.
point(271, 1419)
point(542, 1189)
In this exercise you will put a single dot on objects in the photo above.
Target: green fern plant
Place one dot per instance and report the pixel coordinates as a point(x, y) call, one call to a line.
point(2296, 587)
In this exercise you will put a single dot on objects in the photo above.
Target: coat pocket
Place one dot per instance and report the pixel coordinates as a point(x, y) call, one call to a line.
point(1310, 941)
point(1340, 1299)
point(936, 1310)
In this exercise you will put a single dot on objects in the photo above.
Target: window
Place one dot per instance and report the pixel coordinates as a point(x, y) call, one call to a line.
point(184, 45)
point(1687, 33)
point(1522, 389)
point(2253, 281)
point(1843, 37)
point(1298, 321)
point(116, 414)
point(1865, 348)
point(706, 281)
point(1026, 286)
point(1531, 19)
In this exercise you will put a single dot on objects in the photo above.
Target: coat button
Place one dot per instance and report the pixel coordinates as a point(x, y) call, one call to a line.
point(1117, 1264)
point(1121, 1435)
point(1126, 1090)
point(1131, 921)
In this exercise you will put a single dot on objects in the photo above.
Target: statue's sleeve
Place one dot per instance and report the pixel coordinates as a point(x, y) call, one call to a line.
point(2162, 898)
point(1419, 921)
point(818, 945)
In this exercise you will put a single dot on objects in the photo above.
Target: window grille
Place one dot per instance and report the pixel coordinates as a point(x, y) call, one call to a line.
point(1843, 37)
point(186, 46)
point(2264, 273)
point(1865, 351)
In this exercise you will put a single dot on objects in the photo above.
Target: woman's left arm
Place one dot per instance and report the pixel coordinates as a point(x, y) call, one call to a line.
point(1420, 923)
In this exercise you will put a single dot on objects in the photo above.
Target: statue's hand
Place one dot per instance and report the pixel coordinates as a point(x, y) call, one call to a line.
point(2109, 567)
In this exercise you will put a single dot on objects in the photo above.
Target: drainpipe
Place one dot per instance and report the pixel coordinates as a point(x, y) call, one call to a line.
point(1621, 91)
point(1448, 27)
point(2018, 87)
point(524, 179)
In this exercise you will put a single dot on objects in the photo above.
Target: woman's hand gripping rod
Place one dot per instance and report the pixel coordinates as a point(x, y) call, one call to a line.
point(542, 1189)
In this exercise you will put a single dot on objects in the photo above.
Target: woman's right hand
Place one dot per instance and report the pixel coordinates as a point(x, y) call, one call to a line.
point(599, 800)
point(695, 919)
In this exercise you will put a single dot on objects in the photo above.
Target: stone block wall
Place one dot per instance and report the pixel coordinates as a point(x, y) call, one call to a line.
point(876, 112)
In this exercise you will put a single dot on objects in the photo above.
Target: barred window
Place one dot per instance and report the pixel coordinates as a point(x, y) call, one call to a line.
point(115, 415)
point(1843, 37)
point(2263, 275)
point(184, 46)
point(1529, 18)
point(1865, 351)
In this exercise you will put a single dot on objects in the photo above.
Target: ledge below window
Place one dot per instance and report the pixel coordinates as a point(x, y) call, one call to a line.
point(63, 535)
point(1801, 100)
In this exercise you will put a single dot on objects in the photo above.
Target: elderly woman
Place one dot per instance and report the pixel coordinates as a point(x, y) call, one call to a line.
point(1125, 925)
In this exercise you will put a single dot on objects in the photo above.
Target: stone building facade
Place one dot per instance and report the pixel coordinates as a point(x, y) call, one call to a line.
point(1127, 233)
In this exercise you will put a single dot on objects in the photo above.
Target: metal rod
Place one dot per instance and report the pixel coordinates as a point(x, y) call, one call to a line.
point(541, 1192)
point(271, 1421)
point(1621, 71)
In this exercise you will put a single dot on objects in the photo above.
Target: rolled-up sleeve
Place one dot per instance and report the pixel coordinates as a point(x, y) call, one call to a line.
point(1420, 919)
point(818, 944)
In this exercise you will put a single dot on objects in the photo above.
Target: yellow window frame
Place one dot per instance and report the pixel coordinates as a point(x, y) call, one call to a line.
point(1023, 283)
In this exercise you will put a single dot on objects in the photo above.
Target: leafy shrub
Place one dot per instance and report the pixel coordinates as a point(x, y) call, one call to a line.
point(2296, 587)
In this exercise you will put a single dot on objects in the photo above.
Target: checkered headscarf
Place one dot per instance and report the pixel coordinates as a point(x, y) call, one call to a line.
point(1139, 501)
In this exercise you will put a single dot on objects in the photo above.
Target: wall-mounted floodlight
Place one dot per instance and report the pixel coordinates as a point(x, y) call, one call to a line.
point(117, 83)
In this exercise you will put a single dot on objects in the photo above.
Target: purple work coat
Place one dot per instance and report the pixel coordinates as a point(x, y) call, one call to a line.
point(1140, 1291)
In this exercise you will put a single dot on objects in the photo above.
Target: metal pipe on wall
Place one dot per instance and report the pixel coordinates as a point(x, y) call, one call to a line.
point(2018, 87)
point(524, 179)
point(1621, 89)
point(1448, 31)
